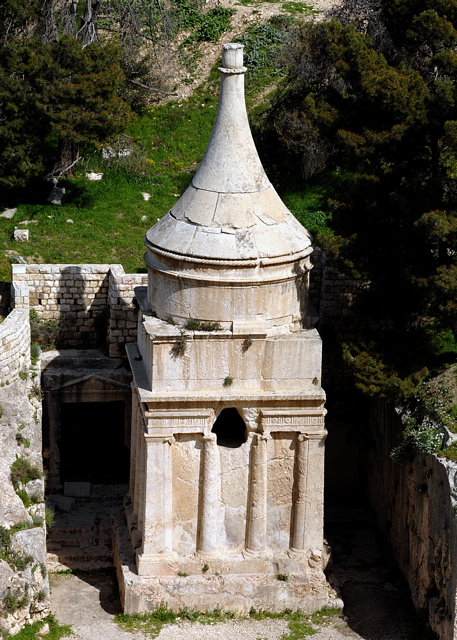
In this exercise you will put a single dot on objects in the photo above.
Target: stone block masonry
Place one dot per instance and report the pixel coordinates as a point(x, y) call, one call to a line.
point(93, 303)
point(123, 316)
point(14, 345)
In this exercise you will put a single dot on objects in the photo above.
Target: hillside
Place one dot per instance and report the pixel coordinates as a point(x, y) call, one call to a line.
point(148, 167)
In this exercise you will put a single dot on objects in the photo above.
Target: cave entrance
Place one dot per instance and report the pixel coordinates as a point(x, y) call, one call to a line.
point(92, 442)
point(230, 429)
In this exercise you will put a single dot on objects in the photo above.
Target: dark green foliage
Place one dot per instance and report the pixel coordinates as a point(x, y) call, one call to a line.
point(44, 333)
point(261, 44)
point(211, 25)
point(58, 99)
point(34, 353)
point(385, 116)
point(189, 13)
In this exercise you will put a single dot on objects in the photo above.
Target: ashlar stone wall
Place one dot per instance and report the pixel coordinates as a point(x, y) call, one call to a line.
point(93, 304)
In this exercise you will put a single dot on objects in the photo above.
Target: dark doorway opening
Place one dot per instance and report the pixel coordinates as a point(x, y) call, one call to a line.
point(92, 443)
point(230, 429)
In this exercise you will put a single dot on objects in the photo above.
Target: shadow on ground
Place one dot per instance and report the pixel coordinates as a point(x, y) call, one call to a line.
point(377, 603)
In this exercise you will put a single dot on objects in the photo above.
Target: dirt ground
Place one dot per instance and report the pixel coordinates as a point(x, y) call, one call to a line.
point(377, 604)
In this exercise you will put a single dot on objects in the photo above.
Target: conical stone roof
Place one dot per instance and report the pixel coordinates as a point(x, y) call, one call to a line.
point(230, 213)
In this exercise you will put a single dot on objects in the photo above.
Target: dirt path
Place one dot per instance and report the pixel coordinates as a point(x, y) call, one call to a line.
point(377, 604)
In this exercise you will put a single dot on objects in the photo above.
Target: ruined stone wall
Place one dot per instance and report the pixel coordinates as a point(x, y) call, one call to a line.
point(415, 505)
point(14, 345)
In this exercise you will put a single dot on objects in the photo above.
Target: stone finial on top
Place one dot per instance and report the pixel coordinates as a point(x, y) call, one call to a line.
point(232, 58)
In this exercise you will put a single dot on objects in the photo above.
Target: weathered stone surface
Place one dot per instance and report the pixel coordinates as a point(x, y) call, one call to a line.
point(8, 213)
point(6, 576)
point(20, 437)
point(415, 504)
point(21, 235)
point(32, 542)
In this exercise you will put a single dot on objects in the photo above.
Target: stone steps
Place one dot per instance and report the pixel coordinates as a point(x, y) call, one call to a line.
point(81, 538)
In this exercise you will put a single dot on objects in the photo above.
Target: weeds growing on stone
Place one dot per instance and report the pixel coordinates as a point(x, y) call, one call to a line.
point(180, 345)
point(32, 631)
point(15, 559)
point(15, 599)
point(22, 441)
point(201, 325)
point(22, 470)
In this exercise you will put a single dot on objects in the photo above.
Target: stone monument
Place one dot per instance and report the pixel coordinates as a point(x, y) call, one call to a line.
point(227, 466)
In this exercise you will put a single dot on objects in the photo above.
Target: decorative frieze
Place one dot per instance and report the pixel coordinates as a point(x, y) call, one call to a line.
point(295, 421)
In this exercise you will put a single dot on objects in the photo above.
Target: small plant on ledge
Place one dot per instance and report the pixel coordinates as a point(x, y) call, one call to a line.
point(179, 347)
point(200, 325)
point(228, 381)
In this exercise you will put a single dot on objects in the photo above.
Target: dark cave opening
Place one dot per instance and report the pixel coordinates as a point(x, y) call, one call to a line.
point(92, 443)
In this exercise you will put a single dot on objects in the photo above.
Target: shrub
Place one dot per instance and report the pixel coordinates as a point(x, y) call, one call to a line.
point(35, 352)
point(24, 471)
point(211, 25)
point(44, 332)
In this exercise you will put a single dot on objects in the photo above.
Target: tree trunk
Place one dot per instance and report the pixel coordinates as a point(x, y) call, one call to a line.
point(68, 155)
